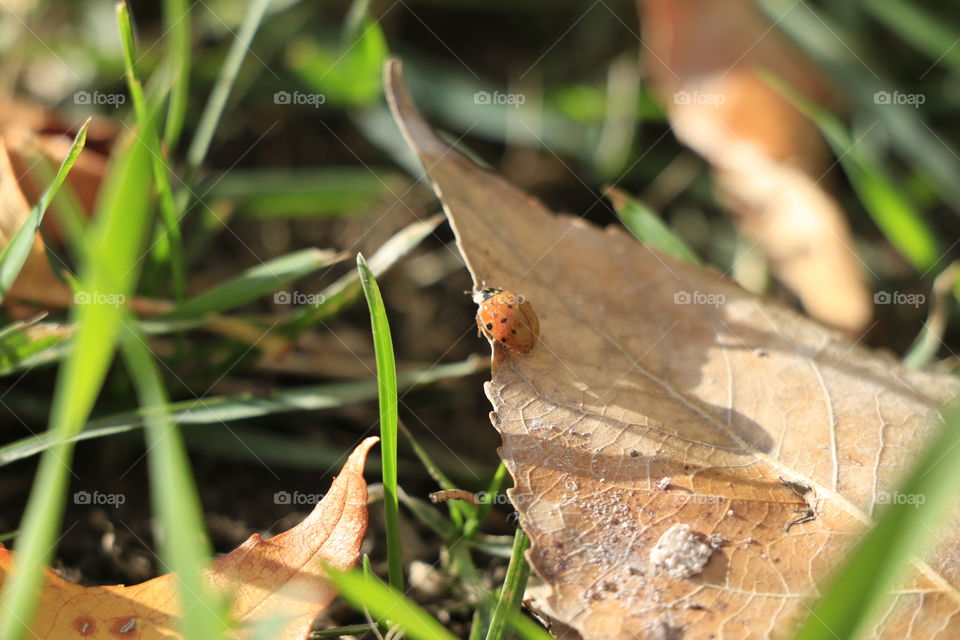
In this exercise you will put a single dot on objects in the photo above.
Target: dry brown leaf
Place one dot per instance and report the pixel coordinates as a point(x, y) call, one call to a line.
point(36, 282)
point(282, 577)
point(661, 394)
point(768, 158)
point(32, 131)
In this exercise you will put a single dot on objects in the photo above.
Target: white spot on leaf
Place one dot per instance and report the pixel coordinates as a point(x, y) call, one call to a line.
point(680, 553)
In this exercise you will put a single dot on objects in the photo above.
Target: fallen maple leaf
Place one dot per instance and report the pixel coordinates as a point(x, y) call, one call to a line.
point(648, 431)
point(279, 578)
point(769, 160)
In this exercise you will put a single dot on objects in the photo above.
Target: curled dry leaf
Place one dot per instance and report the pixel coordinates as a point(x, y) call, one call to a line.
point(768, 159)
point(279, 578)
point(661, 394)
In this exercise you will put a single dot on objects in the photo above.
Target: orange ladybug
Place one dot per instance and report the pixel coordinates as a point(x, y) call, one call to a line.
point(505, 317)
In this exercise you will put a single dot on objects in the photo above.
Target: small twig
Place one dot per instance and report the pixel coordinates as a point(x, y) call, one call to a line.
point(336, 632)
point(454, 494)
point(805, 491)
point(928, 342)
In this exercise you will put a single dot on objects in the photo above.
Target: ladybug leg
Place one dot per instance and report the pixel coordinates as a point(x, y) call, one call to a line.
point(479, 327)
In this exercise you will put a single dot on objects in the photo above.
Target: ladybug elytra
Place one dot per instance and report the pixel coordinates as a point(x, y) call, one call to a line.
point(507, 318)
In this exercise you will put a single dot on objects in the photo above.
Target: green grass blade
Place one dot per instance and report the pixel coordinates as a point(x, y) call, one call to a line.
point(254, 283)
point(169, 246)
point(829, 44)
point(527, 628)
point(428, 515)
point(305, 193)
point(460, 511)
point(106, 280)
point(357, 15)
point(185, 548)
point(23, 342)
point(347, 73)
point(930, 339)
point(889, 207)
point(14, 255)
point(648, 227)
point(477, 624)
point(386, 603)
point(894, 214)
point(357, 630)
point(387, 386)
point(924, 32)
point(348, 77)
point(493, 490)
point(242, 406)
point(513, 587)
point(70, 215)
point(343, 291)
point(176, 17)
point(133, 82)
point(221, 89)
point(905, 528)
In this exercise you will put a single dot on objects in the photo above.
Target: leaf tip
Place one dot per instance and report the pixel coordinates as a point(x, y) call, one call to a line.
point(358, 458)
point(617, 197)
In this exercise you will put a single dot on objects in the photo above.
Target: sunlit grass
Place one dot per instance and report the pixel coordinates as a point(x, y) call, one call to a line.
point(108, 279)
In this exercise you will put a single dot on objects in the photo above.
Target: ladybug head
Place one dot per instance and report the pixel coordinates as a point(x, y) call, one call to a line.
point(479, 295)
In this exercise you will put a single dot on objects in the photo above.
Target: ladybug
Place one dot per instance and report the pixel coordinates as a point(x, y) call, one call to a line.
point(507, 318)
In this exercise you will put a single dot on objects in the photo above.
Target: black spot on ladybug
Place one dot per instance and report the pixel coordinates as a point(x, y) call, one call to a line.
point(489, 325)
point(513, 330)
point(509, 306)
point(503, 319)
point(503, 339)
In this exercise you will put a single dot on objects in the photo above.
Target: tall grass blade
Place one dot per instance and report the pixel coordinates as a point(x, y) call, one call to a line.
point(387, 603)
point(176, 17)
point(106, 280)
point(387, 387)
point(513, 587)
point(185, 546)
point(221, 89)
point(169, 246)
